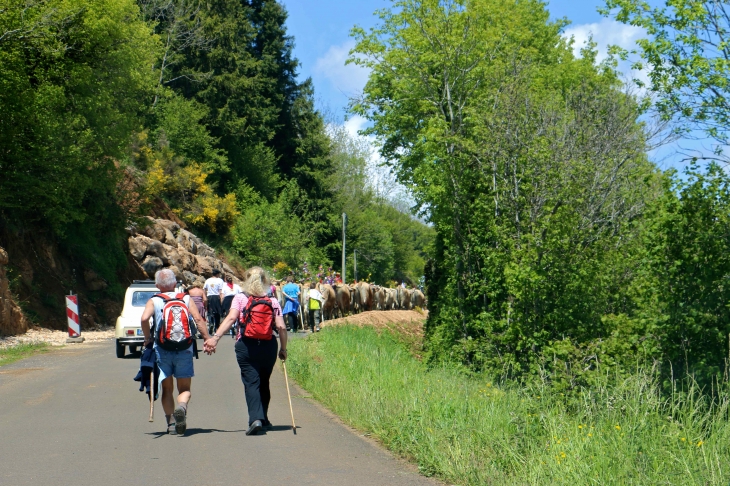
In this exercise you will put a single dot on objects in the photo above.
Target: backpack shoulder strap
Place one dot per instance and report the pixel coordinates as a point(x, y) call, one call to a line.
point(163, 297)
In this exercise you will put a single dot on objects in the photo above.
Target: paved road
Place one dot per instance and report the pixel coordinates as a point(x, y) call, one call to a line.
point(74, 416)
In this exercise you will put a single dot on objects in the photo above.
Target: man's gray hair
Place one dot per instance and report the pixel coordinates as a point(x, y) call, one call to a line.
point(165, 278)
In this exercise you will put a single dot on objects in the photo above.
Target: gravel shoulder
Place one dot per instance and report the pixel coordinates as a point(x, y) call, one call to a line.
point(55, 338)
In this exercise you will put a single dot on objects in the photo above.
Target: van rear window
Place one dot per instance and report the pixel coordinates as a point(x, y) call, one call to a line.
point(139, 299)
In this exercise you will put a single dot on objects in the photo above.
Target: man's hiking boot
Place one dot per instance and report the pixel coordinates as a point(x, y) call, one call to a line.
point(180, 424)
point(171, 428)
point(267, 425)
point(254, 427)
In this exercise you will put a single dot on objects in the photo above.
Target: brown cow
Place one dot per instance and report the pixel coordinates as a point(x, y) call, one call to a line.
point(342, 299)
point(418, 299)
point(407, 299)
point(354, 299)
point(366, 296)
point(400, 297)
point(390, 299)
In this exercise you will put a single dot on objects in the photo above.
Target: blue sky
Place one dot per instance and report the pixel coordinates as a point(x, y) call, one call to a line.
point(321, 32)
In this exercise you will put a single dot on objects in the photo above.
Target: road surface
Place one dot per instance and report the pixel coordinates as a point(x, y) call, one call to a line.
point(74, 416)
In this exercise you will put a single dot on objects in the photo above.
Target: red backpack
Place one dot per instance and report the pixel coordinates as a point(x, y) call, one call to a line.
point(257, 319)
point(173, 333)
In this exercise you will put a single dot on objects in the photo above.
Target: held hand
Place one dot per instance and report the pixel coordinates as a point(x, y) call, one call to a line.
point(209, 345)
point(147, 340)
point(282, 354)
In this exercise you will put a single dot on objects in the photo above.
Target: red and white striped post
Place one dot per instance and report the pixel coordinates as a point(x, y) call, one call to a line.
point(72, 314)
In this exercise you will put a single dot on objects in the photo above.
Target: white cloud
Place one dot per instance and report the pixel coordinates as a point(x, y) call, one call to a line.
point(355, 124)
point(350, 79)
point(605, 33)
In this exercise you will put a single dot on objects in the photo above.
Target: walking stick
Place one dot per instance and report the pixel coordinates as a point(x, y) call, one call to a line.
point(286, 378)
point(152, 396)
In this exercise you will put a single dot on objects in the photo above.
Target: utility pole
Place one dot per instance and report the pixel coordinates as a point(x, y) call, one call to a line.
point(344, 227)
point(356, 267)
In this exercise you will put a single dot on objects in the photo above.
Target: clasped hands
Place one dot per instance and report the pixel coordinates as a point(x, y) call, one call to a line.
point(209, 345)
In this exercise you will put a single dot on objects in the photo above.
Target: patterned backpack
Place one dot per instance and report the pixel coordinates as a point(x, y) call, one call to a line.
point(173, 333)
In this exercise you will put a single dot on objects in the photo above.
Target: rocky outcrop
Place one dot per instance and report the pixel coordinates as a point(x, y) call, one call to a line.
point(162, 243)
point(12, 320)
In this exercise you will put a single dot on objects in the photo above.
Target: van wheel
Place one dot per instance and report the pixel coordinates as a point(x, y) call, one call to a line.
point(120, 349)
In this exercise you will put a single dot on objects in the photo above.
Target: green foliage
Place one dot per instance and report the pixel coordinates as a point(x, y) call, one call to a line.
point(270, 232)
point(530, 164)
point(466, 429)
point(688, 60)
point(683, 291)
point(179, 124)
point(262, 118)
point(74, 76)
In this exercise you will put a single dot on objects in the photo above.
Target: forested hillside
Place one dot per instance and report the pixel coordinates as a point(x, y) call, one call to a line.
point(112, 108)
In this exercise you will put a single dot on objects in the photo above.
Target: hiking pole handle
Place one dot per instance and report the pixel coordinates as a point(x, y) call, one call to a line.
point(152, 396)
point(288, 393)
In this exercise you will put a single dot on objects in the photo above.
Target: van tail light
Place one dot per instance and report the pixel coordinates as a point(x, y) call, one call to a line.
point(130, 332)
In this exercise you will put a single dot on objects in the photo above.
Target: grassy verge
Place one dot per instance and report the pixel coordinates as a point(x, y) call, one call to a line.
point(468, 431)
point(15, 353)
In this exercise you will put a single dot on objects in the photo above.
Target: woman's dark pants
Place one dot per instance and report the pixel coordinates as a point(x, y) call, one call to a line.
point(214, 311)
point(256, 359)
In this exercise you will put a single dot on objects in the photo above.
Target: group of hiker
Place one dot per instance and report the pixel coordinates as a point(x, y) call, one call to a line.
point(213, 299)
point(250, 310)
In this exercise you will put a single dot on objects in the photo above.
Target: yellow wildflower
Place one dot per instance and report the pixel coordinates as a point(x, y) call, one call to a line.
point(699, 444)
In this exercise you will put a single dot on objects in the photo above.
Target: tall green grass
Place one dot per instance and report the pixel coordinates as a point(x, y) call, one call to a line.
point(469, 431)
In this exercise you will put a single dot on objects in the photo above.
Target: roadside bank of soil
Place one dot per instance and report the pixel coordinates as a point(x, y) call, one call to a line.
point(406, 325)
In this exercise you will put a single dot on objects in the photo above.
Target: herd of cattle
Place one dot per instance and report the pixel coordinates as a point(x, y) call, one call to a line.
point(341, 300)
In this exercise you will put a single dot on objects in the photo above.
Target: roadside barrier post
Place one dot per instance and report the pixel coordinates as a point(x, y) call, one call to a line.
point(72, 315)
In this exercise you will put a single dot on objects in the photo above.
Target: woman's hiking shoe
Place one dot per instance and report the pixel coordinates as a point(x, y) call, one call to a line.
point(171, 428)
point(254, 427)
point(180, 424)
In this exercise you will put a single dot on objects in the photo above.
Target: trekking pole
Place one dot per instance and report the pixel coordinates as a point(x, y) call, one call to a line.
point(152, 396)
point(288, 393)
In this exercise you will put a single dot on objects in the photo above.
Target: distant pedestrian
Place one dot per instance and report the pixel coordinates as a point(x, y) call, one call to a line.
point(173, 343)
point(291, 305)
point(256, 347)
point(230, 290)
point(214, 292)
point(315, 306)
point(197, 295)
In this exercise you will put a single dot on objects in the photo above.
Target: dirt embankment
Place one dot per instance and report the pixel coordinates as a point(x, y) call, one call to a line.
point(36, 274)
point(383, 319)
point(12, 319)
point(406, 324)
